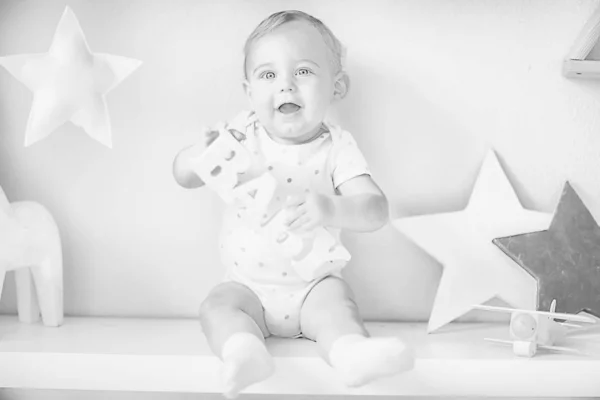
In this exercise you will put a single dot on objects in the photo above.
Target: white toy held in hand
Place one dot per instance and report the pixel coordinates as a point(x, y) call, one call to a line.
point(314, 254)
point(324, 256)
point(219, 165)
point(30, 245)
point(260, 199)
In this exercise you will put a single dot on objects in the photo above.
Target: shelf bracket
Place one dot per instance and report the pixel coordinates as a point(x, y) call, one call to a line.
point(575, 64)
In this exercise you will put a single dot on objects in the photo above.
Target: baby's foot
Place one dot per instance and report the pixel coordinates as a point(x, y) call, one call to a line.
point(359, 360)
point(246, 360)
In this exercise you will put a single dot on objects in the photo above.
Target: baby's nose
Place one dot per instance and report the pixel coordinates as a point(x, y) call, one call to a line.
point(287, 85)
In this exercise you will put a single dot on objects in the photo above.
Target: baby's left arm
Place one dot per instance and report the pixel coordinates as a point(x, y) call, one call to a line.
point(360, 206)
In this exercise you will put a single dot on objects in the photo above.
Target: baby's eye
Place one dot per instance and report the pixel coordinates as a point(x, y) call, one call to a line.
point(268, 75)
point(303, 71)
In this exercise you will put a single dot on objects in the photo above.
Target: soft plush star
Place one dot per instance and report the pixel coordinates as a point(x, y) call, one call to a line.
point(69, 83)
point(474, 270)
point(565, 259)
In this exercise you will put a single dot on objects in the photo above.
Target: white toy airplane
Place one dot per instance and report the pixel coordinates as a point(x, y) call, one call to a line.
point(530, 330)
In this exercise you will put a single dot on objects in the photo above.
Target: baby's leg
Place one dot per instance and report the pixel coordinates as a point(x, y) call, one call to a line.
point(232, 319)
point(330, 317)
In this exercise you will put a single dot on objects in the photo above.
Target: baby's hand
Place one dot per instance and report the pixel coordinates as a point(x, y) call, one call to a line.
point(184, 166)
point(305, 213)
point(210, 135)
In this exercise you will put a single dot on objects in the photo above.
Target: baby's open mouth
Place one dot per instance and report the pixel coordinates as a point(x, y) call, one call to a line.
point(288, 108)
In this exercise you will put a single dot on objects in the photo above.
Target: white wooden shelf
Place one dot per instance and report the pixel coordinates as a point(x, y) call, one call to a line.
point(585, 69)
point(171, 355)
point(577, 64)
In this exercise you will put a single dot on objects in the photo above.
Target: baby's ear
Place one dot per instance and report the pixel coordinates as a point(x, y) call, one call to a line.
point(341, 85)
point(246, 87)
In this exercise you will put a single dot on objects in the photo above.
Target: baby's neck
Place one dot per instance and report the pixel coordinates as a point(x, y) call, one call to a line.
point(296, 141)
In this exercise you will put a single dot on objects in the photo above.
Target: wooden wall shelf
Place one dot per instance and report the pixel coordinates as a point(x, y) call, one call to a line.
point(576, 64)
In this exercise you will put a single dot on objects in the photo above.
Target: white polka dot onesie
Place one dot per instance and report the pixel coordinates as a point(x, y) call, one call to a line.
point(250, 258)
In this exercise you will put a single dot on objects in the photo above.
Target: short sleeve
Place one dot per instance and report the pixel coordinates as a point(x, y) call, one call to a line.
point(347, 160)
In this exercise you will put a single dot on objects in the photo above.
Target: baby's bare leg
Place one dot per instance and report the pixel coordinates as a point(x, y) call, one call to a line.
point(329, 312)
point(330, 317)
point(233, 322)
point(230, 308)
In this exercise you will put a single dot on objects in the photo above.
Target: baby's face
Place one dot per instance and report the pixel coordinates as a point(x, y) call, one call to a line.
point(290, 81)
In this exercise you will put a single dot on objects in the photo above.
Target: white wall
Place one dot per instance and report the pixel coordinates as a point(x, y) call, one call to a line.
point(435, 83)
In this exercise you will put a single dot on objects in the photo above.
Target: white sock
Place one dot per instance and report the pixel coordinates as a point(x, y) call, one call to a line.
point(246, 360)
point(359, 360)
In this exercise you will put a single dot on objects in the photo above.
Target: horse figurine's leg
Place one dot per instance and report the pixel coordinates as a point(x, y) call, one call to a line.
point(48, 280)
point(30, 245)
point(27, 302)
point(9, 238)
point(39, 256)
point(2, 275)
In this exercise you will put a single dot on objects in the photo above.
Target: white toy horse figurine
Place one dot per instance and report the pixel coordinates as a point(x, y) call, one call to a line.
point(30, 245)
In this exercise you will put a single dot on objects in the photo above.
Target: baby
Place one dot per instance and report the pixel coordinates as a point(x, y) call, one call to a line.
point(293, 73)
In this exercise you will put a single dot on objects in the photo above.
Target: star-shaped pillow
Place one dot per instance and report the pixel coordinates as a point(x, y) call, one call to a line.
point(565, 258)
point(69, 83)
point(475, 271)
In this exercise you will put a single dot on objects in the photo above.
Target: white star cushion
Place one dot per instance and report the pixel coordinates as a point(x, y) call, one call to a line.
point(475, 270)
point(69, 83)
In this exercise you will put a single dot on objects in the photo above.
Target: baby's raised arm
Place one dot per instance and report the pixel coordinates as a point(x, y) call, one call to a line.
point(183, 166)
point(183, 171)
point(361, 205)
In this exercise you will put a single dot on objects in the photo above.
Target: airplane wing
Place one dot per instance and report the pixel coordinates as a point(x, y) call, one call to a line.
point(494, 308)
point(501, 341)
point(563, 316)
point(563, 349)
point(552, 348)
point(570, 325)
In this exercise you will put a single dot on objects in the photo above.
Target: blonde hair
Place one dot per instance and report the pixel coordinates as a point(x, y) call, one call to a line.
point(282, 17)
